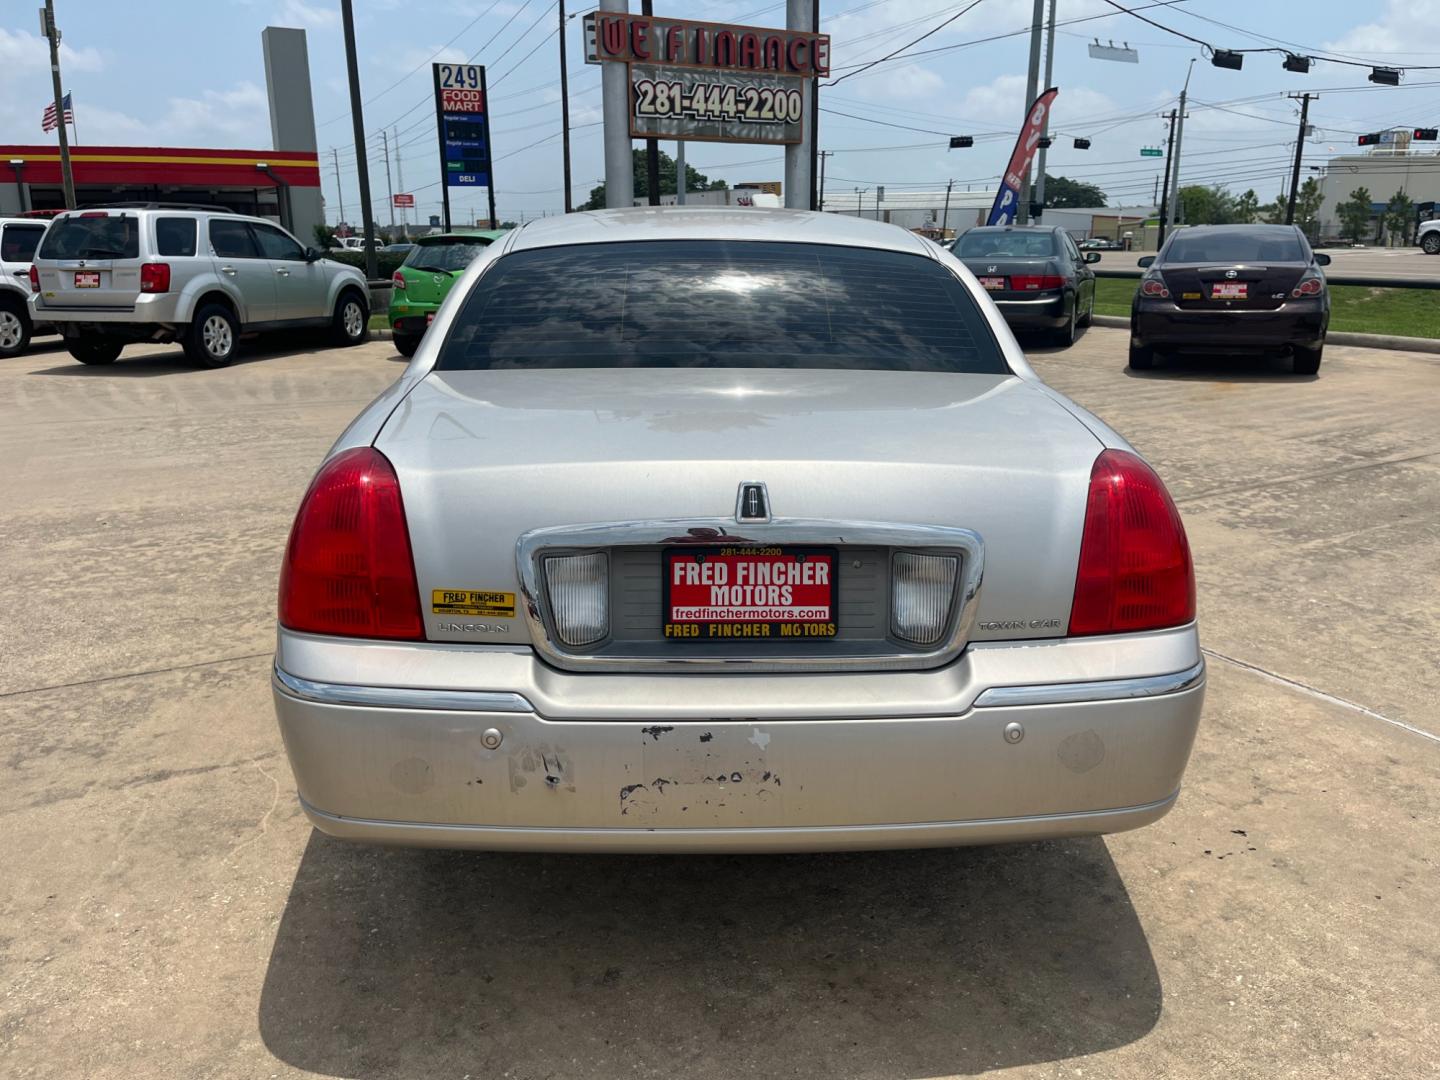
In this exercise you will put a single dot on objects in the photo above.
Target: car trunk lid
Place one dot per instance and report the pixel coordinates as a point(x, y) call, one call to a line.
point(484, 457)
point(1231, 286)
point(1016, 278)
point(91, 259)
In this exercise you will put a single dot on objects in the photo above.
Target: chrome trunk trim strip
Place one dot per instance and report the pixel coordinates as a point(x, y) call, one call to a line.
point(400, 697)
point(1100, 690)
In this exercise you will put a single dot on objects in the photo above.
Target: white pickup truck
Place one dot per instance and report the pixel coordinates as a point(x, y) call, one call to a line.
point(1428, 237)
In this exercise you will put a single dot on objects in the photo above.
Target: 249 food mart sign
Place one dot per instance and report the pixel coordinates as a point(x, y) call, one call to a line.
point(710, 81)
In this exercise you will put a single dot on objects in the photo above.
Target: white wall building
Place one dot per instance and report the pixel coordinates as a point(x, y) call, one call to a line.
point(1386, 169)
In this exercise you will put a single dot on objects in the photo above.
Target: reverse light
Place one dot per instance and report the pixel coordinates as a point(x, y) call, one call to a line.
point(154, 277)
point(922, 588)
point(398, 280)
point(1308, 286)
point(348, 568)
point(579, 590)
point(1135, 571)
point(1036, 282)
point(34, 278)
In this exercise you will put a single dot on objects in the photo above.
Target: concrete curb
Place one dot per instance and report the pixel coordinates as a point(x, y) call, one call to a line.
point(1335, 337)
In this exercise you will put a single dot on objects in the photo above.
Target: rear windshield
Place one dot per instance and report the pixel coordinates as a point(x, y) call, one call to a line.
point(720, 304)
point(446, 254)
point(82, 237)
point(980, 244)
point(1237, 246)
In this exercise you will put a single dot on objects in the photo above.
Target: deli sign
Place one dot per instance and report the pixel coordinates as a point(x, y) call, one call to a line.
point(657, 40)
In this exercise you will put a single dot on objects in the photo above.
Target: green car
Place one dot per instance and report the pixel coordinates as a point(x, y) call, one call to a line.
point(424, 280)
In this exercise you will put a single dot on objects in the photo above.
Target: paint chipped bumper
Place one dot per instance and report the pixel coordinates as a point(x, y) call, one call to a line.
point(505, 769)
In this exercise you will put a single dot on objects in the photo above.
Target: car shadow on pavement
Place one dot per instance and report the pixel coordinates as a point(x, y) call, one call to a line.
point(415, 963)
point(1236, 369)
point(174, 362)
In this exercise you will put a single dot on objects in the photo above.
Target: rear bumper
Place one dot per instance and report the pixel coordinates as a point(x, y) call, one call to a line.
point(411, 318)
point(400, 765)
point(148, 309)
point(1045, 313)
point(1164, 325)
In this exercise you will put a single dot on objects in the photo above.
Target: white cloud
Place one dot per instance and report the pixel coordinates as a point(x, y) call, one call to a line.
point(22, 52)
point(906, 81)
point(1390, 33)
point(309, 16)
point(235, 117)
point(414, 56)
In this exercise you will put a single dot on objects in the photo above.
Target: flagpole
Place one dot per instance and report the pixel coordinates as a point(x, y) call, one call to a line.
point(74, 128)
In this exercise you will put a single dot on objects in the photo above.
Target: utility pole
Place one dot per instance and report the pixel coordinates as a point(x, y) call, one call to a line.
point(1045, 127)
point(52, 34)
point(400, 179)
point(1155, 190)
point(1037, 24)
point(1179, 137)
point(339, 191)
point(564, 110)
point(817, 187)
point(945, 221)
point(858, 201)
point(1299, 150)
point(820, 191)
point(389, 189)
point(1165, 188)
point(680, 177)
point(347, 14)
point(652, 146)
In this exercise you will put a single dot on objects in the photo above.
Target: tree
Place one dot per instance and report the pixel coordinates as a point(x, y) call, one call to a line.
point(1355, 214)
point(1247, 207)
point(324, 237)
point(1207, 205)
point(1307, 207)
point(1062, 192)
point(695, 181)
point(1399, 217)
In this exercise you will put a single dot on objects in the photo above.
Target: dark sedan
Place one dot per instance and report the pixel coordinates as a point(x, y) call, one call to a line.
point(1036, 275)
point(1232, 289)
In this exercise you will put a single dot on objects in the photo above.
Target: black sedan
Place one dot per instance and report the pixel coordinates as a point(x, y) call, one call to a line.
point(1232, 289)
point(1035, 274)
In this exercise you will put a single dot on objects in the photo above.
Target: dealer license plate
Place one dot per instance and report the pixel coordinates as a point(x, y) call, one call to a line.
point(1230, 290)
point(750, 594)
point(994, 284)
point(87, 279)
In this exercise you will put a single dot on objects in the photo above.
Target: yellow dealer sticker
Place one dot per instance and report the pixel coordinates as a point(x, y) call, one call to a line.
point(1190, 296)
point(490, 605)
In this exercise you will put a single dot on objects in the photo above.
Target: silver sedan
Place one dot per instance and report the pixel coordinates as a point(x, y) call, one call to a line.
point(714, 530)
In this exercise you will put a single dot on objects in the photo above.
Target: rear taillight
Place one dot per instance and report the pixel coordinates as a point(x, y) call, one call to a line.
point(1036, 282)
point(1154, 285)
point(398, 280)
point(1135, 571)
point(348, 568)
point(34, 278)
point(1309, 286)
point(154, 277)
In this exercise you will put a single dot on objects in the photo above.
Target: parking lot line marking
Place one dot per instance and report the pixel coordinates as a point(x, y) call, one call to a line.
point(1305, 688)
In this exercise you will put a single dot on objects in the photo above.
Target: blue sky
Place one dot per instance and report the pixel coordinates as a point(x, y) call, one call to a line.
point(191, 74)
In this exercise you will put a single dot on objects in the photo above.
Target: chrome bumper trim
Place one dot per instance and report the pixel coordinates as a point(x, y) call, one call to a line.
point(1100, 690)
point(1029, 303)
point(400, 697)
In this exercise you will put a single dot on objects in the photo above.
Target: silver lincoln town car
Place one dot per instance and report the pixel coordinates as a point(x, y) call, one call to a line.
point(731, 530)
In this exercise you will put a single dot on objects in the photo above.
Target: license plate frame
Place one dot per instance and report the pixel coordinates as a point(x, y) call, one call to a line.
point(1229, 290)
point(87, 279)
point(764, 624)
point(992, 283)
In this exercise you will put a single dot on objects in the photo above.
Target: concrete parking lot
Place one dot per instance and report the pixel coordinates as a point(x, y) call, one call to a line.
point(166, 910)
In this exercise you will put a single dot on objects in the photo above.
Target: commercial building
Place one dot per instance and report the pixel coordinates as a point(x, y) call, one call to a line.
point(929, 212)
point(1396, 164)
point(282, 183)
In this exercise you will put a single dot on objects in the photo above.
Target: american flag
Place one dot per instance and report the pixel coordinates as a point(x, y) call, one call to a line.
point(47, 122)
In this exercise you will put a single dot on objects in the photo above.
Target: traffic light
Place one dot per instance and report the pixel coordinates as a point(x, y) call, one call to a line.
point(1385, 76)
point(1372, 139)
point(1226, 58)
point(960, 142)
point(1426, 134)
point(1045, 142)
point(1296, 63)
point(1082, 144)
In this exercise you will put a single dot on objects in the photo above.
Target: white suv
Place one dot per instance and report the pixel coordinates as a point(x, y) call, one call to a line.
point(197, 275)
point(19, 237)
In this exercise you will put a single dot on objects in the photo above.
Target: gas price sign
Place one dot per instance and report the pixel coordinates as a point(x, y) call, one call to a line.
point(463, 122)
